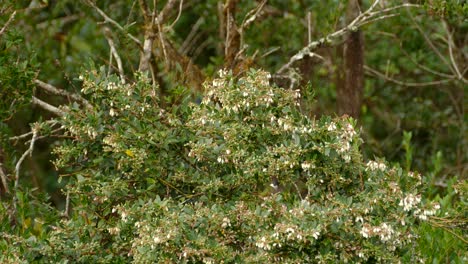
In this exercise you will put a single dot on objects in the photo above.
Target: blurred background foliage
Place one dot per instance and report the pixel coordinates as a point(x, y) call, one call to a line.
point(413, 109)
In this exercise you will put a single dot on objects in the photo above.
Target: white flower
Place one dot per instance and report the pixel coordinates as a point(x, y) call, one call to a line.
point(226, 222)
point(112, 112)
point(347, 158)
point(111, 86)
point(305, 166)
point(365, 232)
point(385, 232)
point(316, 234)
point(373, 165)
point(157, 240)
point(331, 126)
point(297, 94)
point(222, 73)
point(410, 201)
point(217, 83)
point(113, 230)
point(124, 216)
point(263, 244)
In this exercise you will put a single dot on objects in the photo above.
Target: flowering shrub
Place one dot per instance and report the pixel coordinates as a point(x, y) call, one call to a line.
point(242, 177)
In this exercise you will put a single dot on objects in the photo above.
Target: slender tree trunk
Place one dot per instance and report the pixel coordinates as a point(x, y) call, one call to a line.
point(349, 93)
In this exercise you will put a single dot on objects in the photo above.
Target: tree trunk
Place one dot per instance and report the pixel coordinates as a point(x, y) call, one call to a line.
point(349, 93)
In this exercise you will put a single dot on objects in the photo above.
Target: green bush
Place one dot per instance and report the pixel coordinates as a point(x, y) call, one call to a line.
point(242, 177)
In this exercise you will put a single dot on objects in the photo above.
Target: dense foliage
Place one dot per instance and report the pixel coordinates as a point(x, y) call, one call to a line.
point(233, 131)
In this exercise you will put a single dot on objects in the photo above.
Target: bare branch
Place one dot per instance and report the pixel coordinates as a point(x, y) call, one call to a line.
point(3, 178)
point(361, 20)
point(309, 27)
point(249, 19)
point(29, 151)
point(191, 37)
point(168, 7)
point(115, 54)
point(144, 10)
point(25, 135)
point(47, 106)
point(12, 16)
point(113, 22)
point(67, 205)
point(408, 84)
point(451, 46)
point(161, 39)
point(428, 40)
point(178, 14)
point(52, 89)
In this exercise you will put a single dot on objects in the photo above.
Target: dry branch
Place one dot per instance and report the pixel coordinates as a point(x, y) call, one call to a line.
point(52, 89)
point(10, 19)
point(29, 151)
point(114, 53)
point(47, 106)
point(3, 178)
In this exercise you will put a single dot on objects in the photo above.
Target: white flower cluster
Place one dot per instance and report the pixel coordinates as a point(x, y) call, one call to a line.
point(226, 222)
point(410, 201)
point(307, 166)
point(373, 166)
point(111, 86)
point(384, 231)
point(425, 213)
point(285, 123)
point(346, 137)
point(416, 176)
point(113, 230)
point(123, 212)
point(263, 244)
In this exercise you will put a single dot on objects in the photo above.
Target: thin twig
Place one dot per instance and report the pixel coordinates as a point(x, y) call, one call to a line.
point(47, 106)
point(163, 44)
point(29, 151)
point(113, 22)
point(309, 27)
point(249, 19)
point(50, 122)
point(191, 36)
point(168, 7)
point(428, 40)
point(144, 10)
point(10, 19)
point(178, 14)
point(67, 205)
point(3, 178)
point(408, 84)
point(54, 90)
point(115, 54)
point(359, 21)
point(435, 224)
point(451, 45)
point(269, 52)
